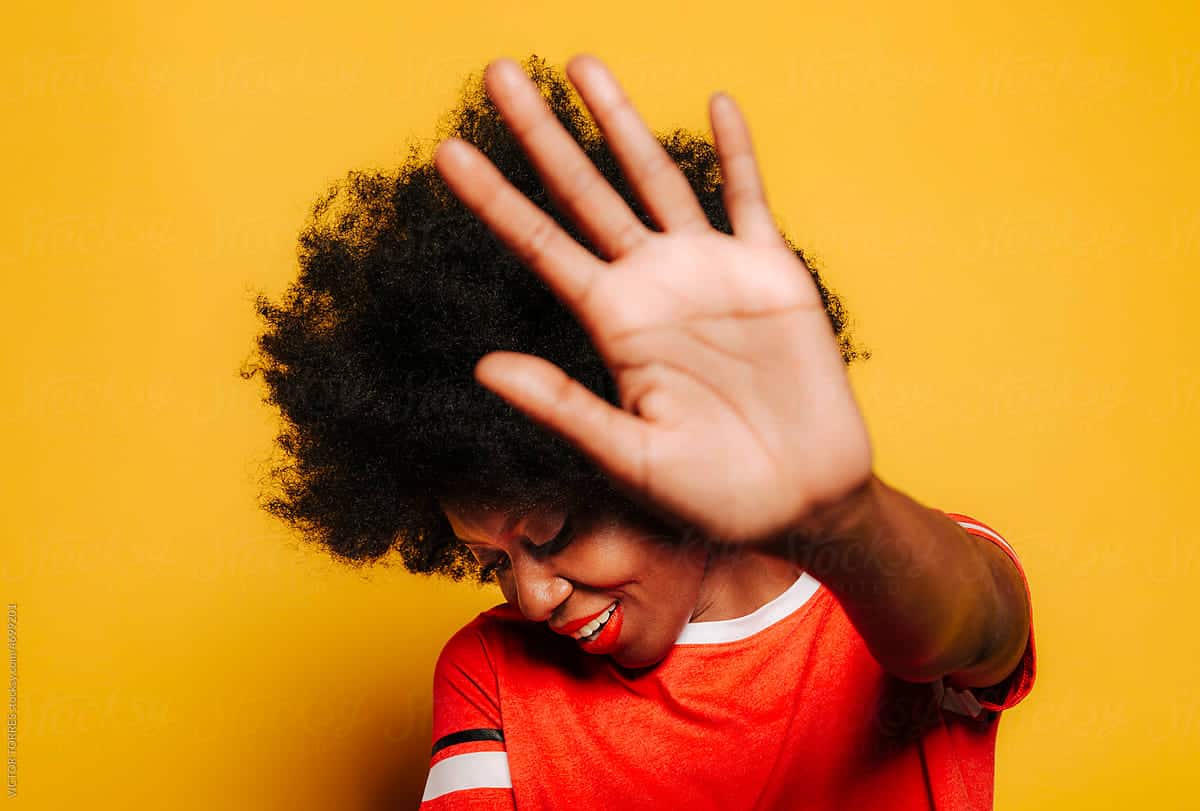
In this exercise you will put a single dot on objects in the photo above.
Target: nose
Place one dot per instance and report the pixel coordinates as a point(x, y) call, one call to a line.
point(540, 589)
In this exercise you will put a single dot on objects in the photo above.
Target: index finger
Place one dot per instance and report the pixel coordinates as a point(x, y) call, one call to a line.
point(570, 177)
point(538, 241)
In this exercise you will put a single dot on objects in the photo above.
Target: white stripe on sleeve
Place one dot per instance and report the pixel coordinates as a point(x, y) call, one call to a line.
point(467, 771)
point(990, 533)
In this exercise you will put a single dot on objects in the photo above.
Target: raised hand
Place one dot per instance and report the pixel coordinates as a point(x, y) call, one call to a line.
point(737, 414)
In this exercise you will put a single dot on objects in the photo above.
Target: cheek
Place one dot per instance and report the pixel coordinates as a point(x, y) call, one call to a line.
point(661, 578)
point(610, 562)
point(670, 586)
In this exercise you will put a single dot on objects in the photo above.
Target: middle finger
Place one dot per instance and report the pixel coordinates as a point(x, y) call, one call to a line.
point(653, 173)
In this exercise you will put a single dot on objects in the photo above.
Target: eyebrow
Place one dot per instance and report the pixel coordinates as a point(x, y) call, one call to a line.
point(465, 542)
point(536, 544)
point(506, 531)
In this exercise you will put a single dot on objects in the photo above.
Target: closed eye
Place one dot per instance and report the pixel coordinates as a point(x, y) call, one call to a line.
point(559, 542)
point(501, 562)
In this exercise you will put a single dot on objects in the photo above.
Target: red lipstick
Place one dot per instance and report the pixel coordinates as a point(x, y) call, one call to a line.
point(574, 625)
point(606, 642)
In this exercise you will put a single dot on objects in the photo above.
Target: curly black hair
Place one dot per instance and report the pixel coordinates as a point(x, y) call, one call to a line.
point(369, 356)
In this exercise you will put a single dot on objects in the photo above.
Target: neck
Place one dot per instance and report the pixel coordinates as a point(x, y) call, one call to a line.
point(741, 580)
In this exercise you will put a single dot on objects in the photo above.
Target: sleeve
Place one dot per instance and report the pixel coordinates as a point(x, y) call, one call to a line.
point(1009, 692)
point(468, 763)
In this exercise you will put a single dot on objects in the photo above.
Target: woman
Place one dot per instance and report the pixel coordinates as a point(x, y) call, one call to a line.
point(711, 600)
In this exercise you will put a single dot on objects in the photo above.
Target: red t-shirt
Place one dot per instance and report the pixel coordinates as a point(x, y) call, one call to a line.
point(783, 708)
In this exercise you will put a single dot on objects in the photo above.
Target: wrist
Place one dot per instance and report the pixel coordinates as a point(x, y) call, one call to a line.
point(831, 521)
point(838, 519)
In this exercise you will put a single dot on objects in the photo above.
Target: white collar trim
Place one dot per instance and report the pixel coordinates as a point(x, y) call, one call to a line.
point(766, 615)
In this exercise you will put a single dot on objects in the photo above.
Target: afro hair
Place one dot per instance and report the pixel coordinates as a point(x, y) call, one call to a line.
point(369, 354)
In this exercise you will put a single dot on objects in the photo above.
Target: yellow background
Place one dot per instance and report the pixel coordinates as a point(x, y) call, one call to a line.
point(1005, 197)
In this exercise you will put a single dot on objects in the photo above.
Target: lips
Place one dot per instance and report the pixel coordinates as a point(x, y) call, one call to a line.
point(610, 634)
point(574, 625)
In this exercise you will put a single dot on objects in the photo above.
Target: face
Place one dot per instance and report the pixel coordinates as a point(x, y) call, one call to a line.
point(614, 575)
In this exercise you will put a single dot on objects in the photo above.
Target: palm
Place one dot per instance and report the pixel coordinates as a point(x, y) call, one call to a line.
point(737, 416)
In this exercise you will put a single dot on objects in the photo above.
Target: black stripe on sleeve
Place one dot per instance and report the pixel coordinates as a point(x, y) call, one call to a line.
point(467, 736)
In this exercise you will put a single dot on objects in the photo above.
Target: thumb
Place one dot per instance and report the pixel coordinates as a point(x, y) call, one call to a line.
point(612, 438)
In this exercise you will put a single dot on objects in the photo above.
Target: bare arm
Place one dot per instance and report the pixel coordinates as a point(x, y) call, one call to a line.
point(929, 598)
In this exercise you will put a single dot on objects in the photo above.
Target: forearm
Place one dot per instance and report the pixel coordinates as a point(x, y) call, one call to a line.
point(918, 588)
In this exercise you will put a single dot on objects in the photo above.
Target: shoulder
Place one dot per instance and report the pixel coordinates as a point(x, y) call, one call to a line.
point(501, 646)
point(476, 643)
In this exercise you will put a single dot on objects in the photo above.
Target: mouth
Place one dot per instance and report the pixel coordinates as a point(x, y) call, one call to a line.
point(601, 634)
